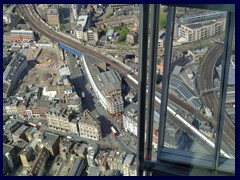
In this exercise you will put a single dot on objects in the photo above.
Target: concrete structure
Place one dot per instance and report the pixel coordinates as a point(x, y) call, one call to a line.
point(75, 11)
point(106, 85)
point(231, 76)
point(39, 164)
point(51, 143)
point(89, 126)
point(130, 118)
point(58, 120)
point(110, 33)
point(129, 169)
point(203, 17)
point(50, 92)
point(53, 16)
point(92, 151)
point(116, 159)
point(91, 35)
point(27, 156)
point(78, 166)
point(177, 86)
point(74, 103)
point(9, 158)
point(202, 30)
point(118, 21)
point(197, 54)
point(83, 23)
point(132, 38)
point(65, 147)
point(73, 126)
point(22, 35)
point(19, 134)
point(13, 73)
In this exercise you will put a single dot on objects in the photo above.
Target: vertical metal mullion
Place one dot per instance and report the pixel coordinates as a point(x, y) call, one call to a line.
point(152, 78)
point(166, 76)
point(223, 88)
point(143, 50)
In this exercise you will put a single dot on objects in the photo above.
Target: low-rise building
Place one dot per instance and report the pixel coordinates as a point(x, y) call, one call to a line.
point(27, 156)
point(202, 30)
point(58, 120)
point(51, 143)
point(40, 162)
point(132, 38)
point(130, 118)
point(65, 147)
point(22, 35)
point(92, 151)
point(89, 126)
point(19, 133)
point(106, 85)
point(13, 72)
point(50, 91)
point(91, 35)
point(53, 15)
point(127, 169)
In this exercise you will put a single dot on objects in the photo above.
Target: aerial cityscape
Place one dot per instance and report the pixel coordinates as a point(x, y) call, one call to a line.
point(70, 87)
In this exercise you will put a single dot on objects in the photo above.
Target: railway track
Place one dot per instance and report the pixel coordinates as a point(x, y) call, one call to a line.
point(50, 34)
point(210, 99)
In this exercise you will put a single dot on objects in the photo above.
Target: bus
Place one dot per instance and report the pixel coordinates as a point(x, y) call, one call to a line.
point(114, 132)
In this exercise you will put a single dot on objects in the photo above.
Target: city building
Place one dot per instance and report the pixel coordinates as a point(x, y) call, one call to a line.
point(202, 30)
point(29, 133)
point(19, 133)
point(197, 54)
point(13, 72)
point(91, 154)
point(73, 126)
point(130, 118)
point(58, 120)
point(74, 103)
point(22, 35)
point(180, 89)
point(27, 156)
point(203, 17)
point(89, 126)
point(91, 35)
point(118, 21)
point(8, 14)
point(40, 162)
point(83, 23)
point(65, 147)
point(9, 158)
point(128, 168)
point(50, 91)
point(81, 150)
point(79, 165)
point(110, 34)
point(106, 85)
point(101, 160)
point(51, 143)
point(132, 38)
point(53, 15)
point(75, 11)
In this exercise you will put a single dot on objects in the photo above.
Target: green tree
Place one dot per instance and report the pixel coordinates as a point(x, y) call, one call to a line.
point(163, 19)
point(62, 27)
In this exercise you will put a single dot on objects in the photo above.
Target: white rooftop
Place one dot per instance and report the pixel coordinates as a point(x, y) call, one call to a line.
point(82, 20)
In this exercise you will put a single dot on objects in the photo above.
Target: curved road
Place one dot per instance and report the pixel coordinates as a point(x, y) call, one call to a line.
point(44, 30)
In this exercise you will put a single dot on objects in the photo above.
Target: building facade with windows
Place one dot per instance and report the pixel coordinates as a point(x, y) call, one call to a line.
point(202, 30)
point(22, 35)
point(89, 126)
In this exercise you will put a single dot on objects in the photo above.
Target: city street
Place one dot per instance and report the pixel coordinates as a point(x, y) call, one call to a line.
point(81, 84)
